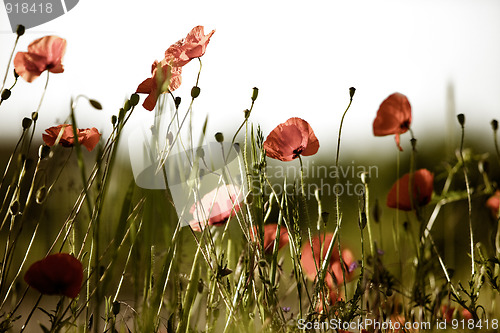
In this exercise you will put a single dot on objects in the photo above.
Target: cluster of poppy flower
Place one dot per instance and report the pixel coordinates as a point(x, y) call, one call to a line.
point(166, 74)
point(45, 54)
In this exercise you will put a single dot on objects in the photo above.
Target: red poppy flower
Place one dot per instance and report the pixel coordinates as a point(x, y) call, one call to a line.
point(193, 46)
point(57, 274)
point(422, 191)
point(216, 207)
point(393, 117)
point(493, 203)
point(270, 236)
point(289, 140)
point(334, 269)
point(164, 80)
point(88, 137)
point(45, 53)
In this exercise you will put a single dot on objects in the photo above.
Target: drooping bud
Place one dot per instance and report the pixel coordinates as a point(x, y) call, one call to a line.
point(255, 93)
point(461, 119)
point(27, 123)
point(195, 92)
point(219, 137)
point(5, 94)
point(20, 30)
point(352, 90)
point(95, 104)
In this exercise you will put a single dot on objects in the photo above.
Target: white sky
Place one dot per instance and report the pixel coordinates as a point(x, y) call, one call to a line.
point(303, 56)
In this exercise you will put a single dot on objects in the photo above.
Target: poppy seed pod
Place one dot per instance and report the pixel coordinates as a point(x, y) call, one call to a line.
point(219, 137)
point(134, 99)
point(255, 93)
point(352, 90)
point(27, 123)
point(177, 102)
point(195, 92)
point(20, 30)
point(494, 124)
point(6, 94)
point(461, 119)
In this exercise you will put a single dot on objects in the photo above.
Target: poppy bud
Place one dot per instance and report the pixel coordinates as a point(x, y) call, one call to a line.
point(121, 114)
point(116, 308)
point(41, 194)
point(247, 113)
point(494, 124)
point(255, 93)
point(134, 99)
point(34, 116)
point(200, 152)
point(219, 137)
point(114, 119)
point(325, 216)
point(20, 30)
point(14, 208)
point(195, 92)
point(126, 105)
point(413, 143)
point(352, 90)
point(177, 102)
point(43, 151)
point(5, 94)
point(461, 119)
point(27, 123)
point(95, 104)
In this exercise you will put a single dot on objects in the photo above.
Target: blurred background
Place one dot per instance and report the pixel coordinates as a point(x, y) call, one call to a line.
point(303, 56)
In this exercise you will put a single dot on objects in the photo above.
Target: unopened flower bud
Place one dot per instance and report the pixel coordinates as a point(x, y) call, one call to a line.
point(114, 119)
point(195, 92)
point(43, 151)
point(20, 30)
point(95, 104)
point(200, 152)
point(352, 90)
point(177, 102)
point(34, 116)
point(27, 123)
point(5, 94)
point(494, 124)
point(116, 308)
point(247, 113)
point(413, 143)
point(324, 217)
point(255, 93)
point(121, 114)
point(126, 105)
point(461, 119)
point(219, 137)
point(134, 99)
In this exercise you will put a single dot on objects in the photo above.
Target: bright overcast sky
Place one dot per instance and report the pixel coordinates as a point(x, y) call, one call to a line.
point(303, 56)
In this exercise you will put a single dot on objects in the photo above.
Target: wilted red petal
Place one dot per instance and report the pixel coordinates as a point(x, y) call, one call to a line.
point(393, 117)
point(216, 207)
point(45, 53)
point(493, 203)
point(57, 274)
point(422, 191)
point(290, 139)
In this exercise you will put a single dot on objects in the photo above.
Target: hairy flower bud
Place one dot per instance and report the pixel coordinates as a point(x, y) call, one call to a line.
point(461, 119)
point(134, 99)
point(494, 124)
point(219, 137)
point(20, 30)
point(352, 90)
point(195, 92)
point(27, 123)
point(5, 94)
point(255, 93)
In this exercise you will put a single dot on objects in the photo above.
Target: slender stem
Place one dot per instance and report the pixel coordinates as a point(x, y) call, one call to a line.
point(469, 200)
point(8, 64)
